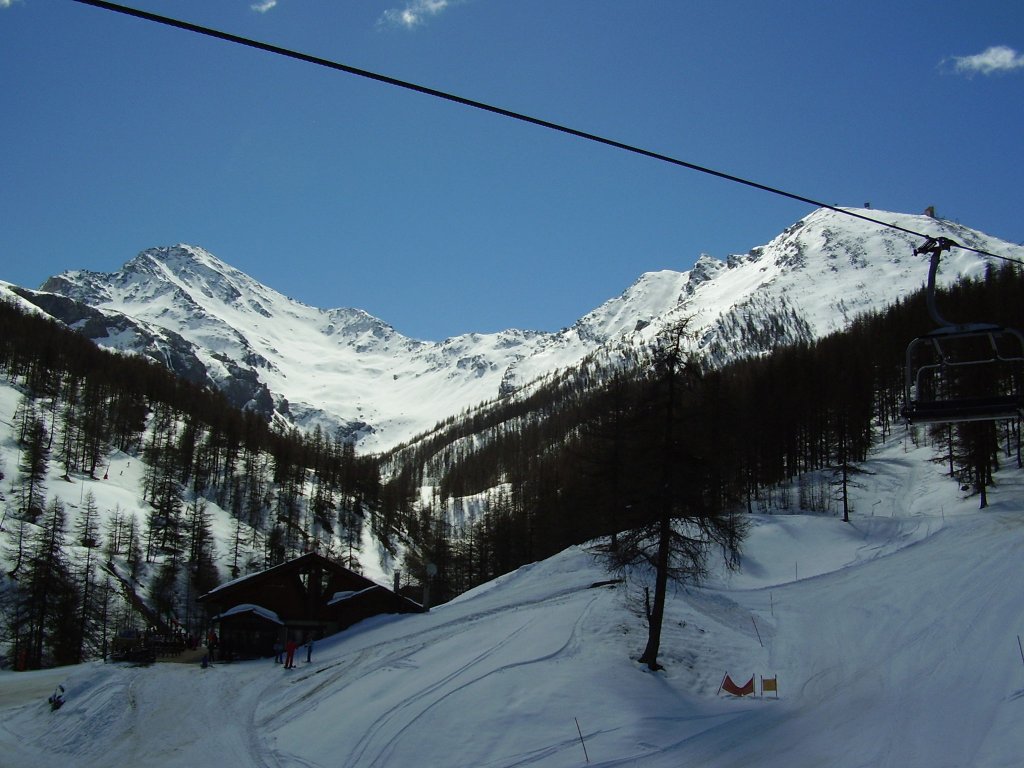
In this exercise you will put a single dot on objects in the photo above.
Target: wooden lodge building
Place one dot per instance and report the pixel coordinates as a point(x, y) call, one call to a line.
point(308, 597)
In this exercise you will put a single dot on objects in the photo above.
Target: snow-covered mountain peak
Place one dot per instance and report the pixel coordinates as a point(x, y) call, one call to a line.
point(200, 276)
point(346, 368)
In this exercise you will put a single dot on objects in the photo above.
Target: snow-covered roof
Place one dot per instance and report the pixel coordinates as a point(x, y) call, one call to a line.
point(339, 597)
point(279, 568)
point(239, 580)
point(259, 610)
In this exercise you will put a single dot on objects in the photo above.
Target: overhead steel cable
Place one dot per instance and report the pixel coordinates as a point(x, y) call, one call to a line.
point(321, 62)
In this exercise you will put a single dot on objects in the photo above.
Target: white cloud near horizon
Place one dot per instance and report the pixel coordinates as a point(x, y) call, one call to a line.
point(415, 12)
point(998, 58)
point(263, 6)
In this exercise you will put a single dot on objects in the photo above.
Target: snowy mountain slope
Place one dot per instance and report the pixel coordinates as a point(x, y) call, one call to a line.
point(345, 368)
point(893, 639)
point(333, 367)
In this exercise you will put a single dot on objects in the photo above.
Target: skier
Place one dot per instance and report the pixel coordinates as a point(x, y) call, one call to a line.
point(309, 649)
point(278, 651)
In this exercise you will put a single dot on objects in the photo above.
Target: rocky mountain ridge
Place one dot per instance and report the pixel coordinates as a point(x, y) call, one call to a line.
point(346, 370)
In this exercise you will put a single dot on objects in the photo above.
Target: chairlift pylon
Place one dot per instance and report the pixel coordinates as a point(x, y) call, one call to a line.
point(961, 372)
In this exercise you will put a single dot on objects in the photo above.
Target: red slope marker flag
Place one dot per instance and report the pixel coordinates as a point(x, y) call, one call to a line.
point(736, 690)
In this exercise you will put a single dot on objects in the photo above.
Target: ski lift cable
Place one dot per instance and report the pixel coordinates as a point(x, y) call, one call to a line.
point(425, 90)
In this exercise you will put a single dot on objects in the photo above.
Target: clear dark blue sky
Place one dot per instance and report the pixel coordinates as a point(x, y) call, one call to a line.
point(117, 135)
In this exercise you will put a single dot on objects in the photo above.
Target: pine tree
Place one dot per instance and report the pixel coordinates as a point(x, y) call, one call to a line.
point(275, 547)
point(95, 426)
point(87, 537)
point(114, 541)
point(979, 450)
point(683, 521)
point(68, 448)
point(35, 456)
point(350, 525)
point(133, 547)
point(47, 619)
point(163, 590)
point(202, 555)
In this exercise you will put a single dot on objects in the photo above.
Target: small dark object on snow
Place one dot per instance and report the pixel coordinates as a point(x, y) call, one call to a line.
point(56, 698)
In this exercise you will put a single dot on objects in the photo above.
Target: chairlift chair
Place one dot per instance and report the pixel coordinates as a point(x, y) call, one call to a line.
point(962, 372)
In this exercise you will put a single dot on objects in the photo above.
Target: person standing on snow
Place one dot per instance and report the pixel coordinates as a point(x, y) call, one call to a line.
point(289, 659)
point(309, 649)
point(211, 644)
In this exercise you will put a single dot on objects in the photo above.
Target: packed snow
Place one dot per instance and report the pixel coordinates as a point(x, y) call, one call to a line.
point(894, 640)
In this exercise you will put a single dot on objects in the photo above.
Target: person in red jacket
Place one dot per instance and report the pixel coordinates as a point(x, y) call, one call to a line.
point(289, 659)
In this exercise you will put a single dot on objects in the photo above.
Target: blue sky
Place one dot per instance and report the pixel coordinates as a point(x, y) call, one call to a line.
point(118, 134)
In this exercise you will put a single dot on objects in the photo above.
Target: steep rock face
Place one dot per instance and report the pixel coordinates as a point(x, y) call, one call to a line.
point(347, 370)
point(706, 268)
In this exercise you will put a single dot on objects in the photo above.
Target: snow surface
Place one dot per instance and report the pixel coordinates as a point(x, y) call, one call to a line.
point(259, 610)
point(894, 639)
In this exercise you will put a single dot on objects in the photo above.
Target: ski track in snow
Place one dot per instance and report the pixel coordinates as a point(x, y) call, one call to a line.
point(385, 731)
point(895, 646)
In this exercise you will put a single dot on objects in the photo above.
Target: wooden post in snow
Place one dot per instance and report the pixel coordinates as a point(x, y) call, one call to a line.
point(585, 755)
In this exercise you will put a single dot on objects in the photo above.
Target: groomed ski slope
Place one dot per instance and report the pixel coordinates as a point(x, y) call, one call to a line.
point(894, 639)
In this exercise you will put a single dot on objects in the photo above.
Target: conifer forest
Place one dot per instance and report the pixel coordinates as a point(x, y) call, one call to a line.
point(603, 452)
